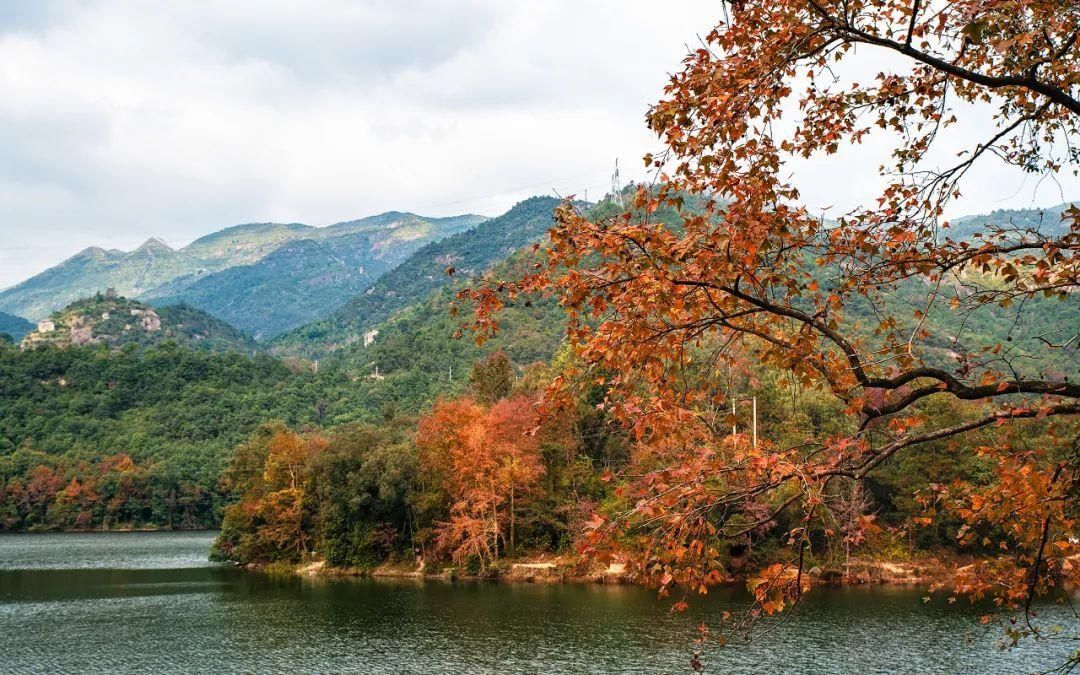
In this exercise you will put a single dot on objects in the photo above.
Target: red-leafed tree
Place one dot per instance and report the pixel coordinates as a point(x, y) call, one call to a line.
point(855, 303)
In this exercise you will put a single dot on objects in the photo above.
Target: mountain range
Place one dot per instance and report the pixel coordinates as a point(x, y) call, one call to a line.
point(468, 253)
point(306, 291)
point(262, 277)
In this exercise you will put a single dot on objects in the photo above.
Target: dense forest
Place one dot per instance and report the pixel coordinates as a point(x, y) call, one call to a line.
point(474, 481)
point(471, 252)
point(168, 406)
point(139, 434)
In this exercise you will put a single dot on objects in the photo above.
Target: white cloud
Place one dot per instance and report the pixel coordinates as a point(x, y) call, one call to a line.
point(124, 119)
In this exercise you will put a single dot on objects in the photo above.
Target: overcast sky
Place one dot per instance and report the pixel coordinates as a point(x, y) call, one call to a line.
point(122, 120)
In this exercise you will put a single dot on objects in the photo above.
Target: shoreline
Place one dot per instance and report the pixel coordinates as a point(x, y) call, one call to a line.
point(115, 530)
point(921, 571)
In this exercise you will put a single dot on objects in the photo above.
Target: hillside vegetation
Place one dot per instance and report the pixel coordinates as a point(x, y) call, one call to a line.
point(468, 253)
point(97, 437)
point(14, 326)
point(110, 320)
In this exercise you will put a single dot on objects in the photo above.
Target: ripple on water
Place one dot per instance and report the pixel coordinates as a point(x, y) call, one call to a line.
point(151, 603)
point(105, 550)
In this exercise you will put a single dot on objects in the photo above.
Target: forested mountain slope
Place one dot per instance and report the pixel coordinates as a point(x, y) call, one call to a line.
point(470, 252)
point(113, 321)
point(14, 326)
point(307, 278)
point(420, 354)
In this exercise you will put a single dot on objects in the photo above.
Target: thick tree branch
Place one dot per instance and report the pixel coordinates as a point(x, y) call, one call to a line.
point(1027, 81)
point(948, 432)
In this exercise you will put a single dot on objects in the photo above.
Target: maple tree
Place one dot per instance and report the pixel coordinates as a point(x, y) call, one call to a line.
point(660, 312)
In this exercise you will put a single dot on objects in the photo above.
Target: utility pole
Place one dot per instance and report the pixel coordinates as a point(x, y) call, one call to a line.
point(753, 423)
point(734, 428)
point(754, 400)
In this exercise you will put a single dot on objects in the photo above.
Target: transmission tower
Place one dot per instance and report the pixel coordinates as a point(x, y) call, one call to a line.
point(616, 185)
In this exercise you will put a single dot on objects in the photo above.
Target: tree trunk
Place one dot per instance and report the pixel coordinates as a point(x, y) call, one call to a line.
point(495, 530)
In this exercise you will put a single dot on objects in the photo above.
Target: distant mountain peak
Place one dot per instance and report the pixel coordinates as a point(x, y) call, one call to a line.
point(93, 252)
point(155, 244)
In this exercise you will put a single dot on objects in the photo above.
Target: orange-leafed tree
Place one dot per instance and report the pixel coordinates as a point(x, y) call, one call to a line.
point(454, 461)
point(874, 304)
point(75, 503)
point(510, 438)
point(281, 509)
point(488, 463)
point(269, 473)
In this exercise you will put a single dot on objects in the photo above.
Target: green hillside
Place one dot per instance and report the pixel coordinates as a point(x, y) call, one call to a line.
point(1048, 221)
point(14, 326)
point(419, 354)
point(307, 278)
point(244, 244)
point(469, 252)
point(152, 426)
point(403, 226)
point(113, 321)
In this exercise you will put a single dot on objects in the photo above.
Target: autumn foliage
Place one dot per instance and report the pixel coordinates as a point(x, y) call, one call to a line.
point(114, 492)
point(662, 311)
point(468, 483)
point(488, 462)
point(269, 474)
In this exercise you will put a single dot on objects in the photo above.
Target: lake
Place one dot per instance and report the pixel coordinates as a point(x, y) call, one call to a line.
point(150, 602)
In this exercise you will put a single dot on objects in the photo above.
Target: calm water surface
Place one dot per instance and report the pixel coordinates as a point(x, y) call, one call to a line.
point(149, 602)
